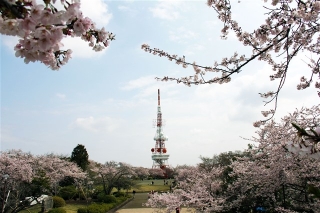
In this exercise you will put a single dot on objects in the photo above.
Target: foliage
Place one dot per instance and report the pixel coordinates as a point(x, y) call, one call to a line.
point(119, 194)
point(96, 208)
point(57, 210)
point(41, 28)
point(72, 207)
point(82, 210)
point(80, 156)
point(291, 27)
point(67, 181)
point(102, 197)
point(68, 192)
point(58, 202)
point(124, 183)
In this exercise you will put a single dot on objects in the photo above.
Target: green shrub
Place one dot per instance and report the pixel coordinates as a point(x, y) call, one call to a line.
point(82, 210)
point(106, 198)
point(119, 194)
point(58, 202)
point(121, 199)
point(57, 210)
point(97, 208)
point(67, 192)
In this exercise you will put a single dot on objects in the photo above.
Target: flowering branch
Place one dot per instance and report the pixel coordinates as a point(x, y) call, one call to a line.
point(42, 28)
point(289, 29)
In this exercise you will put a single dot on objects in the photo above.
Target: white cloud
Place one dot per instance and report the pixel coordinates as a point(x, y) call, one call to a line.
point(61, 96)
point(123, 8)
point(166, 10)
point(103, 124)
point(97, 10)
point(194, 49)
point(9, 41)
point(140, 82)
point(182, 35)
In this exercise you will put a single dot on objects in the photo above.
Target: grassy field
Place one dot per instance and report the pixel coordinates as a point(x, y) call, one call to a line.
point(146, 186)
point(73, 207)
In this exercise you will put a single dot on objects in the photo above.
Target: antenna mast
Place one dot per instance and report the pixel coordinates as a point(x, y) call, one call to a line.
point(159, 156)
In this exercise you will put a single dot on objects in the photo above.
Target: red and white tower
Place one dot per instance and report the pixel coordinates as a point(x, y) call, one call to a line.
point(159, 156)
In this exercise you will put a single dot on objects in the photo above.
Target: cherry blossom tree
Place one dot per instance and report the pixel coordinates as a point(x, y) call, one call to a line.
point(195, 188)
point(156, 173)
point(41, 28)
point(291, 27)
point(25, 175)
point(110, 172)
point(282, 172)
point(277, 172)
point(141, 172)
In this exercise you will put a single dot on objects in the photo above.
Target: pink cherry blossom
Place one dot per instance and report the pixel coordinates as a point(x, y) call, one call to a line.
point(42, 28)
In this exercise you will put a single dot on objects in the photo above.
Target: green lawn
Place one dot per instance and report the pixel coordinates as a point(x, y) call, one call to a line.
point(73, 207)
point(158, 182)
point(146, 186)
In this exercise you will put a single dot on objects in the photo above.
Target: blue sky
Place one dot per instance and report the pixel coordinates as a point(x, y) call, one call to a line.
point(108, 100)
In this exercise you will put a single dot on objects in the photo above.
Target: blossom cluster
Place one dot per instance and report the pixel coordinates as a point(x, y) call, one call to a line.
point(195, 188)
point(290, 28)
point(41, 28)
point(307, 142)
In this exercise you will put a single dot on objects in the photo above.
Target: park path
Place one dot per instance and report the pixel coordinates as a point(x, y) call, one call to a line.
point(137, 201)
point(135, 206)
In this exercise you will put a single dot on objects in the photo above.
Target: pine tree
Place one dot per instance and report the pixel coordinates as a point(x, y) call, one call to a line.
point(80, 156)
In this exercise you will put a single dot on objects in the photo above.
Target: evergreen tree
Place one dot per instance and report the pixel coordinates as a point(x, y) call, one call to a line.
point(80, 157)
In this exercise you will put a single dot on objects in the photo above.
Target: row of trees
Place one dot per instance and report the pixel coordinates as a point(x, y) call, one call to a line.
point(268, 175)
point(25, 175)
